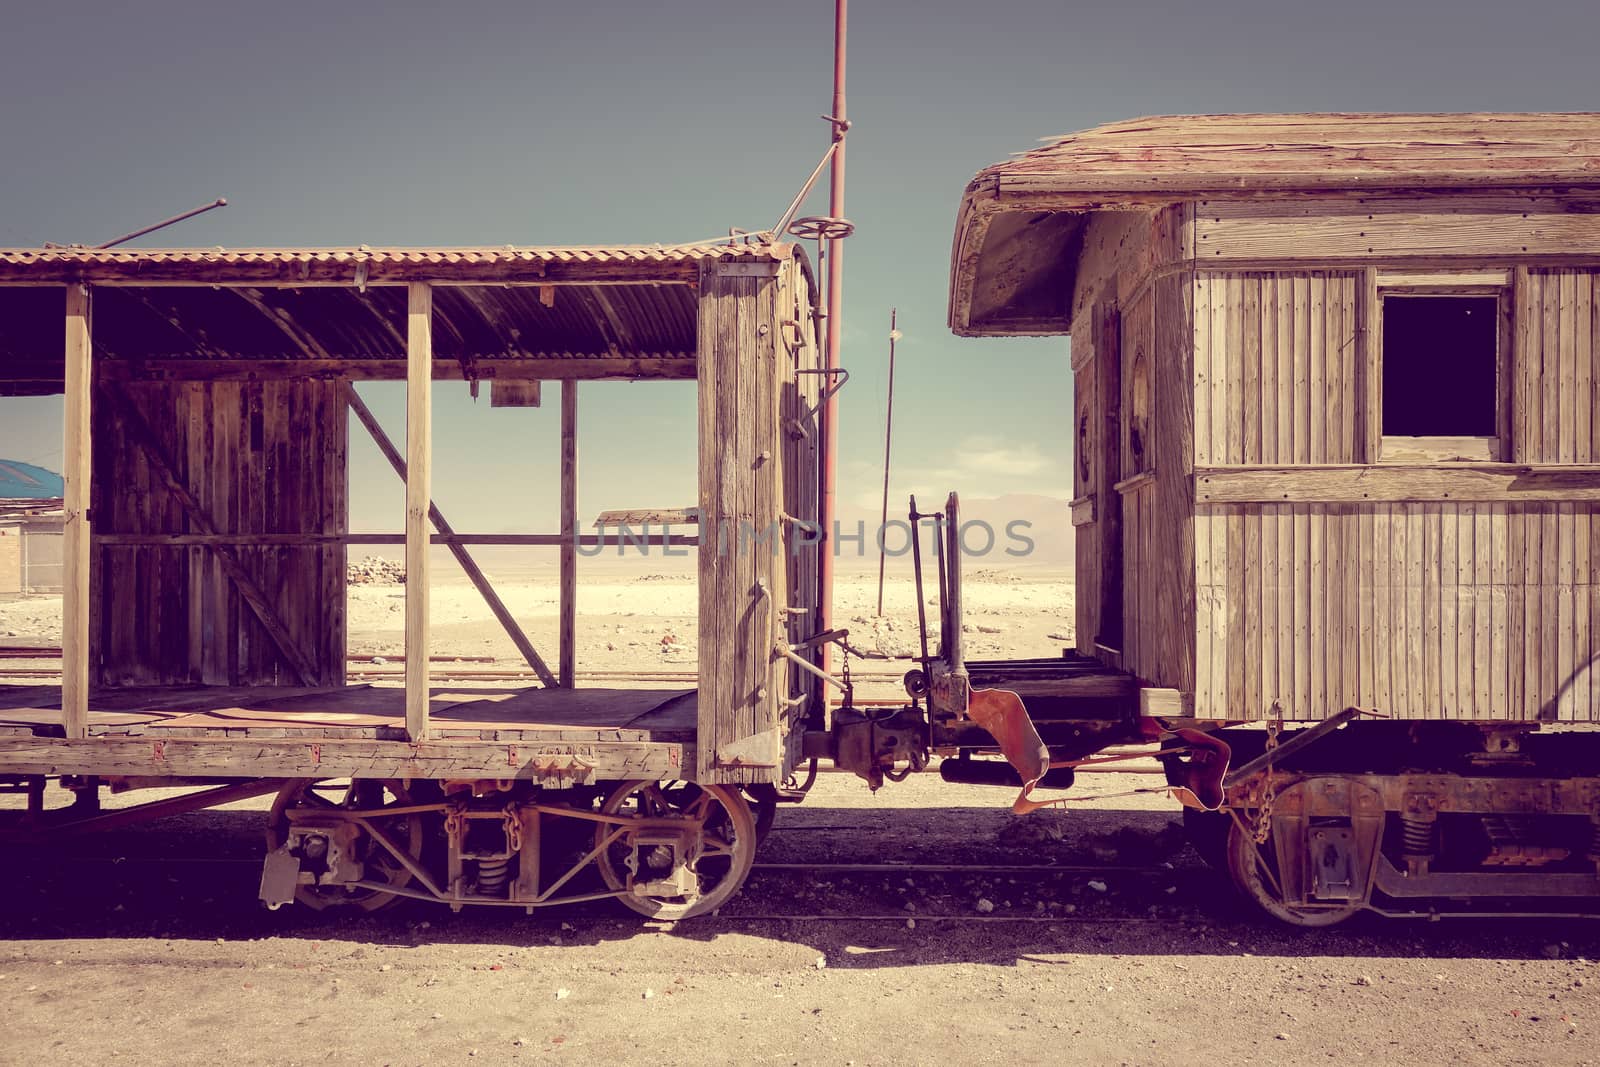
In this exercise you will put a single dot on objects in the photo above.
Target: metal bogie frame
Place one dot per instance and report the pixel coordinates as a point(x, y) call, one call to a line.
point(522, 822)
point(1314, 844)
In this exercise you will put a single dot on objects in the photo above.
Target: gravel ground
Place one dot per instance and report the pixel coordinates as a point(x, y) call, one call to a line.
point(146, 944)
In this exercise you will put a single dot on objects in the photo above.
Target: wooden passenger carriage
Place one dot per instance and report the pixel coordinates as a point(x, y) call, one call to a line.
point(1336, 386)
point(209, 401)
point(1256, 525)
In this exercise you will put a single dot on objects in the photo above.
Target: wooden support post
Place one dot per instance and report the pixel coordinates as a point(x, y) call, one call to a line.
point(419, 466)
point(474, 573)
point(569, 532)
point(75, 542)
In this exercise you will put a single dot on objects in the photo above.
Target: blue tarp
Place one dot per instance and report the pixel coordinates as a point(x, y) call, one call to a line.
point(24, 480)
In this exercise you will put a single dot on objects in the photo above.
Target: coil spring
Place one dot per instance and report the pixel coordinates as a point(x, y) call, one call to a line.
point(493, 875)
point(1419, 836)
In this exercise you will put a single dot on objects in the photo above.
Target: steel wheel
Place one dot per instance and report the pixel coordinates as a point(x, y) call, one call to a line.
point(727, 851)
point(381, 866)
point(763, 798)
point(1254, 872)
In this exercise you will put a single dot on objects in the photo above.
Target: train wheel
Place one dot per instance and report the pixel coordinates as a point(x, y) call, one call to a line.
point(727, 850)
point(381, 866)
point(763, 798)
point(1254, 874)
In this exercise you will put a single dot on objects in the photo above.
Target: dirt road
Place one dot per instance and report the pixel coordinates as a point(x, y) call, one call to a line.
point(106, 952)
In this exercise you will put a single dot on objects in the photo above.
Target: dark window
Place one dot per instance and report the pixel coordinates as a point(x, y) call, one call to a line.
point(1439, 365)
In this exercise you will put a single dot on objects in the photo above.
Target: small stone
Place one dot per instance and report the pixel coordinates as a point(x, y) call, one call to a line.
point(1283, 1037)
point(911, 924)
point(822, 962)
point(984, 905)
point(385, 966)
point(519, 1042)
point(1362, 979)
point(1059, 635)
point(437, 1015)
point(1551, 952)
point(649, 994)
point(563, 994)
point(1098, 886)
point(379, 661)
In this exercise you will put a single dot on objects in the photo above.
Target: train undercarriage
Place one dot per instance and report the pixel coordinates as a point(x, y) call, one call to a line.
point(1313, 823)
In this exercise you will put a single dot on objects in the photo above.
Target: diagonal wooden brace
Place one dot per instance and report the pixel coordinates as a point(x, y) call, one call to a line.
point(134, 422)
point(463, 557)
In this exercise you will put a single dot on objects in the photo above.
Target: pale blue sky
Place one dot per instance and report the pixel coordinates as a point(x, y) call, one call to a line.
point(544, 123)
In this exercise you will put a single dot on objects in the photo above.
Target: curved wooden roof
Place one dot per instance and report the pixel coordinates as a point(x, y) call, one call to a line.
point(1193, 154)
point(1019, 219)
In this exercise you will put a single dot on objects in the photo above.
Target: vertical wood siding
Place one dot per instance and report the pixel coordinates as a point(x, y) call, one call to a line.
point(259, 457)
point(744, 585)
point(802, 485)
point(1426, 609)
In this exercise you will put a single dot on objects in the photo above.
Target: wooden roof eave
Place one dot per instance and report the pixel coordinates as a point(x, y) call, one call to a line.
point(990, 195)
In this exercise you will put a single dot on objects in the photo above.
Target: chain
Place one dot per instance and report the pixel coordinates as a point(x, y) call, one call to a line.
point(1269, 791)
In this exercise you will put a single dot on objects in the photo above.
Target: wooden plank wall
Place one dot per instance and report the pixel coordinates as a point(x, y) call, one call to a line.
point(260, 457)
point(802, 485)
point(1426, 608)
point(1122, 267)
point(743, 583)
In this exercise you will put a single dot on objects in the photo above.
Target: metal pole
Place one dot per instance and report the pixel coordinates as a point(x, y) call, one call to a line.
point(830, 414)
point(201, 210)
point(888, 436)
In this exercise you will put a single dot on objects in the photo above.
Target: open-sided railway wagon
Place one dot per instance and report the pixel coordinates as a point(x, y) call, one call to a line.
point(1337, 407)
point(208, 406)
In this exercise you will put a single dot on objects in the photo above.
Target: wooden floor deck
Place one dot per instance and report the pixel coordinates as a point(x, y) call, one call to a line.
point(554, 736)
point(362, 711)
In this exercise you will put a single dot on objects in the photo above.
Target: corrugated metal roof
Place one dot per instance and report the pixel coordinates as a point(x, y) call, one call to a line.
point(1215, 153)
point(633, 304)
point(377, 265)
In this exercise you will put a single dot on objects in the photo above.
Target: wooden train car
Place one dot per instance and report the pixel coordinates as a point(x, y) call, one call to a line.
point(1337, 405)
point(208, 406)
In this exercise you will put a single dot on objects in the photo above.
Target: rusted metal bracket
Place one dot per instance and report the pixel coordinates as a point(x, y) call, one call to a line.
point(1300, 740)
point(798, 425)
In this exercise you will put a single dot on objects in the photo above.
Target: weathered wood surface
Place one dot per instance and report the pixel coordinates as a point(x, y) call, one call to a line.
point(551, 761)
point(1480, 610)
point(568, 621)
point(1436, 591)
point(1356, 483)
point(365, 711)
point(799, 357)
point(743, 588)
point(419, 500)
point(557, 366)
point(1330, 228)
point(638, 517)
point(180, 471)
point(76, 470)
